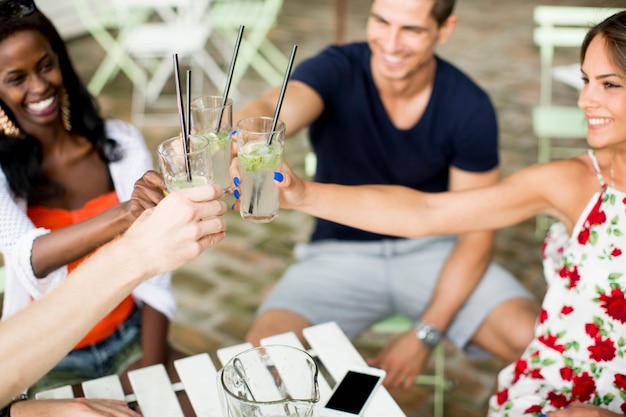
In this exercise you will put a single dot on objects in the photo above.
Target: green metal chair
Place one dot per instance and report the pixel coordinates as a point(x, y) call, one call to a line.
point(256, 50)
point(140, 37)
point(398, 323)
point(560, 128)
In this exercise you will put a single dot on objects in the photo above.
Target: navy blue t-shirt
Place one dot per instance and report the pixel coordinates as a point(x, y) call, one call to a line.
point(356, 142)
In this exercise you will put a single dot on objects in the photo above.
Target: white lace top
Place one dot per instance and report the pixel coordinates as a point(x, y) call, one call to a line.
point(17, 232)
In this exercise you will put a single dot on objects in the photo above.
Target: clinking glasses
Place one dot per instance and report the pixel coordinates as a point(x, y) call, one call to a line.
point(16, 8)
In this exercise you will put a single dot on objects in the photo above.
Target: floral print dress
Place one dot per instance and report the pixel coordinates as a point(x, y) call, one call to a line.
point(579, 349)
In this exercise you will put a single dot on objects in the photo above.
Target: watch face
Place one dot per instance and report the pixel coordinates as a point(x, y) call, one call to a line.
point(428, 335)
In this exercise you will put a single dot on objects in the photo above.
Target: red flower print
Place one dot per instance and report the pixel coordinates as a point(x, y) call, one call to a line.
point(583, 236)
point(536, 373)
point(591, 329)
point(615, 304)
point(521, 367)
point(566, 373)
point(543, 316)
point(558, 400)
point(584, 387)
point(623, 408)
point(602, 350)
point(550, 341)
point(533, 409)
point(595, 217)
point(502, 396)
point(616, 252)
point(572, 274)
point(566, 310)
point(620, 381)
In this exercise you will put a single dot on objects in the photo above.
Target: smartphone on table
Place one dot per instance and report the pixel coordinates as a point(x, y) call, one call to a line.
point(350, 397)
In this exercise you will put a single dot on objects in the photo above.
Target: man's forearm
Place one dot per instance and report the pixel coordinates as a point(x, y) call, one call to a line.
point(458, 278)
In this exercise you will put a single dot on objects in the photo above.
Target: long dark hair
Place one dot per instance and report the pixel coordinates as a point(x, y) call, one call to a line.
point(20, 158)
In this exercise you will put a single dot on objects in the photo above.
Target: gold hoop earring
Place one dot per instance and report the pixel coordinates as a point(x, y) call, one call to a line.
point(65, 111)
point(7, 127)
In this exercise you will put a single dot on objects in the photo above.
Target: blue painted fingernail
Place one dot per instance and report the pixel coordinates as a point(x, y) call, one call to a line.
point(278, 176)
point(232, 207)
point(236, 194)
point(542, 415)
point(233, 133)
point(236, 181)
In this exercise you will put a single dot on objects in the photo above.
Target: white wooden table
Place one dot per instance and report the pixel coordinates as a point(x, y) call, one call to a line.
point(156, 394)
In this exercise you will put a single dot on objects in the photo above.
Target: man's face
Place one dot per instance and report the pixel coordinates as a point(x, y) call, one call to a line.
point(402, 36)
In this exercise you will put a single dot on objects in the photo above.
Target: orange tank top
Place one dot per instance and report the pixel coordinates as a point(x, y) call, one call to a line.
point(55, 218)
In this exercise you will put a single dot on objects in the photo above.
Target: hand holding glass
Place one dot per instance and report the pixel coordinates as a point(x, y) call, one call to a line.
point(183, 169)
point(260, 154)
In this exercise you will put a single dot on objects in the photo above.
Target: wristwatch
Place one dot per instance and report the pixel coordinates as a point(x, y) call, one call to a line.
point(429, 335)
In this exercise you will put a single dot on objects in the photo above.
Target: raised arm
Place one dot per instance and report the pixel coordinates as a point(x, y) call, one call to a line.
point(301, 106)
point(401, 211)
point(183, 225)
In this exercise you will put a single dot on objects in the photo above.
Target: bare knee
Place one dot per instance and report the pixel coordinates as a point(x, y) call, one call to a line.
point(508, 329)
point(274, 322)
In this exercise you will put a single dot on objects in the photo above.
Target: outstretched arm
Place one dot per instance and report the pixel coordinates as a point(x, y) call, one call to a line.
point(183, 225)
point(405, 212)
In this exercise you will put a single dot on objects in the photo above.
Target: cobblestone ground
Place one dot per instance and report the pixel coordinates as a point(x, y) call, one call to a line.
point(219, 292)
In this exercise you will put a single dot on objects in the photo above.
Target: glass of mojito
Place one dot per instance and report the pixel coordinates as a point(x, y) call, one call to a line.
point(185, 169)
point(205, 115)
point(260, 154)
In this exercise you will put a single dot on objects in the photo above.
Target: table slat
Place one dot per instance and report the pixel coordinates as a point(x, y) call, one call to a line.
point(226, 354)
point(154, 392)
point(59, 393)
point(338, 354)
point(109, 387)
point(198, 375)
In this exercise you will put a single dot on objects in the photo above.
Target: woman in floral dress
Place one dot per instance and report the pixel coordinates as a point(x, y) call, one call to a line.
point(575, 365)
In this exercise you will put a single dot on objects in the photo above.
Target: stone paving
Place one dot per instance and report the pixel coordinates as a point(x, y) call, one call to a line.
point(219, 291)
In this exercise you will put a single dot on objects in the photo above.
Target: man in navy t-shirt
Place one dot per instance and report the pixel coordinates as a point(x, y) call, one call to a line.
point(390, 111)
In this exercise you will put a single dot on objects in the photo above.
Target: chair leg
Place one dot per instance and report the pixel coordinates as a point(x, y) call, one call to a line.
point(440, 380)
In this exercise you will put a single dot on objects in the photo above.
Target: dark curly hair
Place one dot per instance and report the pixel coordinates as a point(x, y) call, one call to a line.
point(21, 159)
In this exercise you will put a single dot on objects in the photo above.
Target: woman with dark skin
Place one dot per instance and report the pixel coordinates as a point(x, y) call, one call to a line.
point(69, 183)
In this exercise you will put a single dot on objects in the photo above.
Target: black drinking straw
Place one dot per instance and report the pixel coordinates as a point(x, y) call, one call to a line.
point(229, 78)
point(255, 186)
point(181, 113)
point(282, 94)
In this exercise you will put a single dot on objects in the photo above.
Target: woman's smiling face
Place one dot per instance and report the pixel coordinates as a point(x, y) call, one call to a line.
point(30, 79)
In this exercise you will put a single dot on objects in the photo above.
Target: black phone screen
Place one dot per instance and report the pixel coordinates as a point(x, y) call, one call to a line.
point(352, 392)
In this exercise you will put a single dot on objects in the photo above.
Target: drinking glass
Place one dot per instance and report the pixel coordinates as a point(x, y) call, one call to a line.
point(260, 154)
point(182, 169)
point(269, 381)
point(205, 112)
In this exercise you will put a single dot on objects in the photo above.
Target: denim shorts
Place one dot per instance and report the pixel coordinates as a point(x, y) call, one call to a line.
point(110, 356)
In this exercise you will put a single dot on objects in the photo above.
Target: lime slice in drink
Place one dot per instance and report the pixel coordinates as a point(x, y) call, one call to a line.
point(259, 155)
point(180, 183)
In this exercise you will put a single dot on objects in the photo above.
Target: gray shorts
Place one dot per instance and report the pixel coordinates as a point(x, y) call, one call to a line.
point(358, 283)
